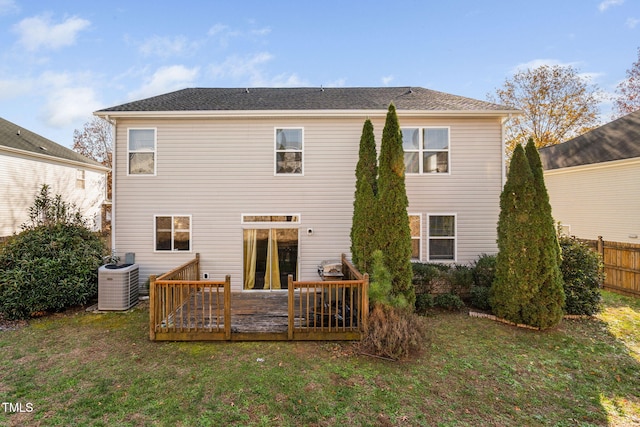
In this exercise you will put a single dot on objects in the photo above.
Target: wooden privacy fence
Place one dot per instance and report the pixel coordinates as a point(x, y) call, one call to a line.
point(621, 265)
point(184, 308)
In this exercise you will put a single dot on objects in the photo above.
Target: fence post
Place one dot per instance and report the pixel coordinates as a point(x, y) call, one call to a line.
point(227, 307)
point(365, 303)
point(152, 307)
point(600, 246)
point(290, 306)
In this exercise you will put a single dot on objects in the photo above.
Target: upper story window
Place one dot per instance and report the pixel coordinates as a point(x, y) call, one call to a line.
point(289, 150)
point(426, 150)
point(142, 152)
point(80, 178)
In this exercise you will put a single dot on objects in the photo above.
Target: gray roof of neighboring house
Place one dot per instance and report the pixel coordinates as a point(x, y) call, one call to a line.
point(370, 98)
point(19, 138)
point(617, 140)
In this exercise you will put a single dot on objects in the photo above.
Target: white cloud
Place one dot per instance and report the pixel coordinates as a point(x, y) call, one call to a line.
point(66, 105)
point(632, 22)
point(39, 32)
point(224, 34)
point(12, 88)
point(342, 82)
point(167, 46)
point(281, 80)
point(166, 79)
point(241, 66)
point(386, 80)
point(606, 4)
point(8, 6)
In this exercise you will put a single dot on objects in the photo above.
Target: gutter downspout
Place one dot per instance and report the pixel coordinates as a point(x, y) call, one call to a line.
point(113, 181)
point(504, 150)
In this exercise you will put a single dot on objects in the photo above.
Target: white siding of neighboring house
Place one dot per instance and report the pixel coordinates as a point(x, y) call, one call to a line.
point(22, 177)
point(217, 169)
point(598, 200)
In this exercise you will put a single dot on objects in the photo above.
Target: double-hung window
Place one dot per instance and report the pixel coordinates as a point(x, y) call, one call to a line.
point(172, 233)
point(442, 237)
point(289, 151)
point(142, 152)
point(426, 150)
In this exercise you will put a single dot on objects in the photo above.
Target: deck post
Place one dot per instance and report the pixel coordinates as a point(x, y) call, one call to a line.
point(227, 307)
point(365, 303)
point(291, 306)
point(152, 307)
point(197, 267)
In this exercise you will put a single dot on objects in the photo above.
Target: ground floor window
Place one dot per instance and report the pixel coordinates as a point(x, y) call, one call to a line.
point(270, 256)
point(172, 233)
point(415, 224)
point(442, 237)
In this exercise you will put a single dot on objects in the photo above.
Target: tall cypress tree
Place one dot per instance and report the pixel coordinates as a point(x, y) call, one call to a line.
point(363, 226)
point(546, 308)
point(515, 282)
point(393, 234)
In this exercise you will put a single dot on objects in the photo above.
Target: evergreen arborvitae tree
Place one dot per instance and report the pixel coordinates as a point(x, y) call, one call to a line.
point(515, 281)
point(546, 308)
point(363, 226)
point(393, 235)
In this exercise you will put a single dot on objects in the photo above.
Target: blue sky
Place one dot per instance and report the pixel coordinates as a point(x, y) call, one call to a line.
point(62, 60)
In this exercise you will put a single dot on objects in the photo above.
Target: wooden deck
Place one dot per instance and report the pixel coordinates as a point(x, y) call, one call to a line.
point(186, 309)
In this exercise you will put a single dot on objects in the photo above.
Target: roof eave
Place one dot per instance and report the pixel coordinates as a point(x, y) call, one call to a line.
point(54, 159)
point(301, 113)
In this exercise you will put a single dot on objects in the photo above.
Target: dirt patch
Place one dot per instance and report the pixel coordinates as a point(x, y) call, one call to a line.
point(11, 325)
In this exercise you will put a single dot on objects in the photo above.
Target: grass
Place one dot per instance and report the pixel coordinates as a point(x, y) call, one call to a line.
point(101, 370)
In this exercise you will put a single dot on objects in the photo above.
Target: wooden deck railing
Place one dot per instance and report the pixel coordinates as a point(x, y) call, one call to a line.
point(329, 310)
point(184, 308)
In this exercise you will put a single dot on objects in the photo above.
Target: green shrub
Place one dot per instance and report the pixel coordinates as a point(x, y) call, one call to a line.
point(380, 288)
point(480, 297)
point(460, 279)
point(484, 270)
point(424, 302)
point(448, 301)
point(52, 264)
point(582, 271)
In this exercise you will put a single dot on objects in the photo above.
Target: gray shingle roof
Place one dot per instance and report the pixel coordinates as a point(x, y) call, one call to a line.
point(240, 99)
point(19, 138)
point(617, 140)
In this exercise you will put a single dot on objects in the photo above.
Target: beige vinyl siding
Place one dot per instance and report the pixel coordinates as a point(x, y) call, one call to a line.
point(598, 200)
point(22, 178)
point(218, 169)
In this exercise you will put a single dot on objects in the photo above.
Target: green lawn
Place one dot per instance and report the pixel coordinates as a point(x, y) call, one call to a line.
point(101, 370)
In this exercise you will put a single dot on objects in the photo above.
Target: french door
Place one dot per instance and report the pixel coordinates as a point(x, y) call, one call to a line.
point(270, 255)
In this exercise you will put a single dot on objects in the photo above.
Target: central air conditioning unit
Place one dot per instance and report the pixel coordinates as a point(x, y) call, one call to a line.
point(117, 286)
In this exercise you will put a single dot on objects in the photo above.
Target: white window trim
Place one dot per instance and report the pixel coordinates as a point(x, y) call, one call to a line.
point(276, 151)
point(421, 150)
point(155, 230)
point(455, 237)
point(419, 259)
point(155, 151)
point(280, 224)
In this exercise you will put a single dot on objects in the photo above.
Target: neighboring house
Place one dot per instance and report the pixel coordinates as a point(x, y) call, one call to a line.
point(28, 161)
point(260, 181)
point(594, 181)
